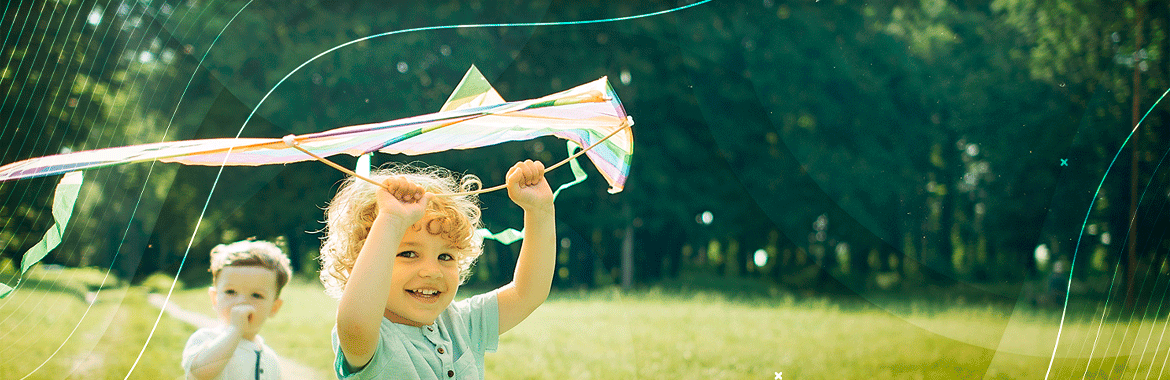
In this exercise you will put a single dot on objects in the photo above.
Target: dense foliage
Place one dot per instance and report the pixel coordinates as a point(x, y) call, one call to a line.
point(870, 145)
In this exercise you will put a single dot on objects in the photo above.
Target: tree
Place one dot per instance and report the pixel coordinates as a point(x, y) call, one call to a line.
point(67, 78)
point(1115, 51)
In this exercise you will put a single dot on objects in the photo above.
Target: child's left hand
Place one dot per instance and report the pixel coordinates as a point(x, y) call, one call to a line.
point(527, 186)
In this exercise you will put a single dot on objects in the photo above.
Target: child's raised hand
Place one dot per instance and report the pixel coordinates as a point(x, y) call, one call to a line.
point(243, 315)
point(527, 186)
point(404, 200)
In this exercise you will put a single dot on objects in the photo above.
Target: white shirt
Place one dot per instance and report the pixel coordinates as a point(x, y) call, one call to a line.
point(252, 360)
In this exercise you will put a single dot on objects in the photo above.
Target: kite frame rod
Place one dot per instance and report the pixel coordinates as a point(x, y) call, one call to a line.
point(291, 141)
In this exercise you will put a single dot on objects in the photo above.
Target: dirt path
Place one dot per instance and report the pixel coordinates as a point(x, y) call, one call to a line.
point(289, 369)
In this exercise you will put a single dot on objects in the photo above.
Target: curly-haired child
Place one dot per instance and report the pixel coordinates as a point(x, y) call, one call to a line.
point(395, 256)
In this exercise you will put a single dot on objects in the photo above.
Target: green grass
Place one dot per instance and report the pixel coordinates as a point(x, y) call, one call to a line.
point(609, 334)
point(49, 332)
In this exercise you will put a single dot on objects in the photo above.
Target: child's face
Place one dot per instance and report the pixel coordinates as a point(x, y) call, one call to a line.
point(245, 285)
point(424, 279)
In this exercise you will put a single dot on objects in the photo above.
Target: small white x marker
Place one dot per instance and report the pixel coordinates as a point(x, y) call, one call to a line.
point(779, 375)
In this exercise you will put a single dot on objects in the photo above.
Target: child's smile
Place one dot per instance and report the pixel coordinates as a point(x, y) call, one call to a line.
point(425, 295)
point(426, 272)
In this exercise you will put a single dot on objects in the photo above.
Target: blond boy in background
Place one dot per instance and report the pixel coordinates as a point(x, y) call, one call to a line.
point(247, 279)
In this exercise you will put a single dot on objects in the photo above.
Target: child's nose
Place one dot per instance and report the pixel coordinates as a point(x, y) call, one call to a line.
point(431, 270)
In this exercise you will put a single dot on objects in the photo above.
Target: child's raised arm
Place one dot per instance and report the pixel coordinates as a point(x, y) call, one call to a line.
point(534, 268)
point(212, 356)
point(363, 303)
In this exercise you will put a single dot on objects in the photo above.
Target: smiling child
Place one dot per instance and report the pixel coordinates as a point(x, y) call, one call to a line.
point(395, 257)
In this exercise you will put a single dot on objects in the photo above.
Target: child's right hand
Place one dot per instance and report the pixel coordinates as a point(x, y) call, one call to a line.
point(243, 315)
point(404, 200)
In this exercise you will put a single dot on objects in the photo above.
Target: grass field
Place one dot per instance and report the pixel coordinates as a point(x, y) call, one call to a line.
point(608, 334)
point(49, 331)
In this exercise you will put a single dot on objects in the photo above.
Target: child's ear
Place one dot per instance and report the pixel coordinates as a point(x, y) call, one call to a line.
point(211, 293)
point(276, 306)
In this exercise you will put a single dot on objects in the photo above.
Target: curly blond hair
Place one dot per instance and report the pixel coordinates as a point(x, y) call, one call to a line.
point(251, 253)
point(350, 215)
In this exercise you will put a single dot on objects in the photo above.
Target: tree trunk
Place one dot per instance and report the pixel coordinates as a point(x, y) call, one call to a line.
point(628, 258)
point(1131, 262)
point(948, 177)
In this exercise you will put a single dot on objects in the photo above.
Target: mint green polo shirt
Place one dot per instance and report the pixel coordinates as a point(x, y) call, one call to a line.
point(450, 348)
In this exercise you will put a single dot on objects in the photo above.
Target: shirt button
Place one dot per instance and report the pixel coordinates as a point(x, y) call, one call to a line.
point(441, 350)
point(450, 373)
point(430, 329)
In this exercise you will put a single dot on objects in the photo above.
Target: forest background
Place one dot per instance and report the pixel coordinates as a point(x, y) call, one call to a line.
point(967, 151)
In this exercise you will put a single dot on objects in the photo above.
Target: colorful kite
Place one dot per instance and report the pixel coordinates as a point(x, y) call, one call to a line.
point(474, 116)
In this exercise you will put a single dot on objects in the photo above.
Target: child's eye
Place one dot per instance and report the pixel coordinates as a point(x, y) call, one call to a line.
point(257, 296)
point(408, 254)
point(446, 257)
point(229, 292)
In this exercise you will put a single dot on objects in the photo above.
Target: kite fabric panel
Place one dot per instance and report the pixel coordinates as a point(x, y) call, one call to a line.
point(64, 198)
point(474, 117)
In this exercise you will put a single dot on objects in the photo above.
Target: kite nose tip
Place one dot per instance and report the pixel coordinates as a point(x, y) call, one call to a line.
point(290, 140)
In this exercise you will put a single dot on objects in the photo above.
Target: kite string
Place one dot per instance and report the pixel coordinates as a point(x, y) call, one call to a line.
point(270, 91)
point(291, 141)
point(1064, 310)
